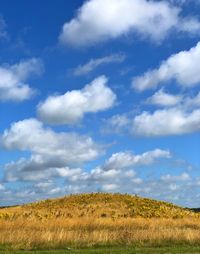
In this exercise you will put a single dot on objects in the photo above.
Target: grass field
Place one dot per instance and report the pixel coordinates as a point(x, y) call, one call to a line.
point(79, 233)
point(116, 250)
point(99, 220)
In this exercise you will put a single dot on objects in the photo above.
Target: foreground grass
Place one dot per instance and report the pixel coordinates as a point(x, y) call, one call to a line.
point(78, 233)
point(116, 250)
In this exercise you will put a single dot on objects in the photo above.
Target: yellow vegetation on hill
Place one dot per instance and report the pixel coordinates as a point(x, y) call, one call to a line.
point(97, 219)
point(97, 205)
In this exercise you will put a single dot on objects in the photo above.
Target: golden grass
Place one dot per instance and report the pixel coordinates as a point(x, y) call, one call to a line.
point(60, 233)
point(97, 219)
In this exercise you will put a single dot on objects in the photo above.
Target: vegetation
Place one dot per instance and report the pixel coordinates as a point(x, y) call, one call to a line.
point(97, 220)
point(97, 205)
point(117, 250)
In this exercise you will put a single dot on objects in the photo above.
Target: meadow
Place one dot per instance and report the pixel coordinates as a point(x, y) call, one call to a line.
point(91, 223)
point(78, 233)
point(117, 250)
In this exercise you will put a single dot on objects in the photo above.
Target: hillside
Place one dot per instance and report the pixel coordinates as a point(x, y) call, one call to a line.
point(96, 205)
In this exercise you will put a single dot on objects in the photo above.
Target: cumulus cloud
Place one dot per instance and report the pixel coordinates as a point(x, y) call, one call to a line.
point(115, 175)
point(174, 115)
point(183, 67)
point(100, 20)
point(94, 63)
point(49, 150)
point(170, 178)
point(183, 190)
point(164, 122)
point(71, 107)
point(116, 124)
point(192, 102)
point(13, 84)
point(31, 135)
point(127, 159)
point(162, 98)
point(116, 171)
point(59, 155)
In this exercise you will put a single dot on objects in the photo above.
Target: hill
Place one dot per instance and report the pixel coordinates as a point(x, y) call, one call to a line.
point(97, 205)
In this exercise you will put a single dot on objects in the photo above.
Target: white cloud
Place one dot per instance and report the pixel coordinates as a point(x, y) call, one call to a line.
point(162, 98)
point(30, 135)
point(71, 107)
point(183, 67)
point(183, 192)
point(2, 187)
point(178, 188)
point(116, 124)
point(176, 115)
point(43, 185)
point(173, 187)
point(110, 187)
point(94, 63)
point(100, 20)
point(173, 121)
point(68, 172)
point(116, 171)
point(13, 84)
point(57, 154)
point(49, 150)
point(100, 175)
point(192, 102)
point(127, 159)
point(170, 178)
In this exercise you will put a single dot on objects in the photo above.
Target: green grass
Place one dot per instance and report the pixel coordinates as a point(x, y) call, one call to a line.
point(116, 250)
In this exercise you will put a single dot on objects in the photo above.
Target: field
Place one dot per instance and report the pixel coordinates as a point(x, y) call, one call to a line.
point(99, 223)
point(117, 250)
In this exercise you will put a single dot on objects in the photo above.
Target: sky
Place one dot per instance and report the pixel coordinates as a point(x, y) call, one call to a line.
point(100, 96)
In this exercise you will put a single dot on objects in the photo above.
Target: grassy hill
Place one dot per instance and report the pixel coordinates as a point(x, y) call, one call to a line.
point(97, 205)
point(97, 219)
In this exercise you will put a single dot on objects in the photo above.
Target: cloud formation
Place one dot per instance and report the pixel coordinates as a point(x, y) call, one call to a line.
point(162, 98)
point(115, 172)
point(174, 115)
point(101, 20)
point(49, 150)
point(169, 178)
point(183, 67)
point(181, 188)
point(71, 107)
point(165, 122)
point(171, 187)
point(13, 86)
point(127, 159)
point(180, 115)
point(116, 124)
point(94, 63)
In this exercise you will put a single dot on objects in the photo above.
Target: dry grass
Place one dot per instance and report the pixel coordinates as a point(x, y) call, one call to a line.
point(97, 219)
point(59, 233)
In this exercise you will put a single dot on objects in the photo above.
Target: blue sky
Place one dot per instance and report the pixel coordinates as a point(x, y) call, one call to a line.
point(100, 96)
